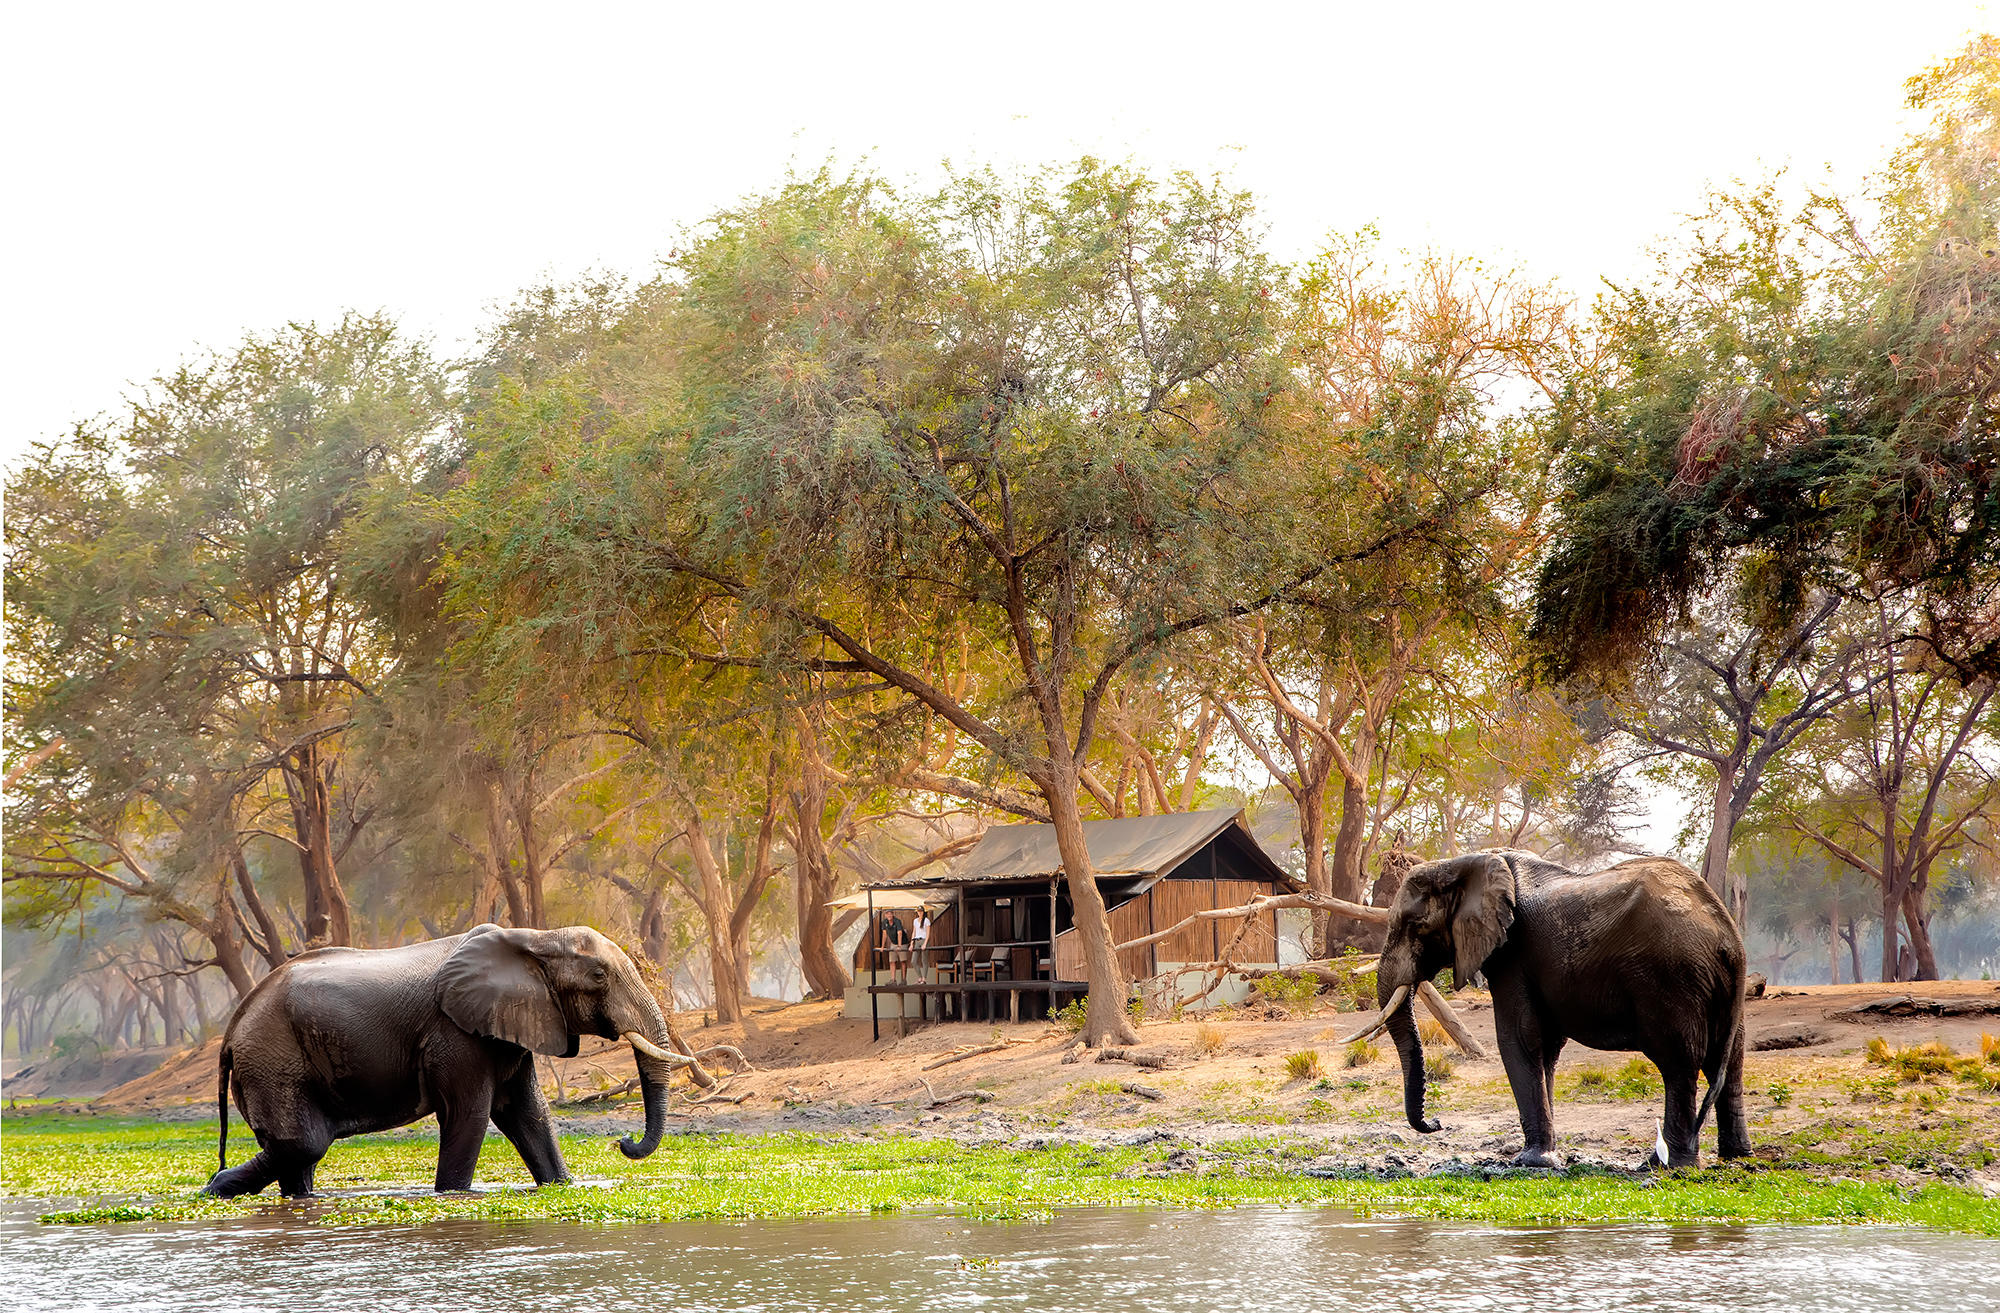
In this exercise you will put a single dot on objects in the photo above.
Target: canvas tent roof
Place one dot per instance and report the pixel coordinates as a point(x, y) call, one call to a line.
point(1138, 845)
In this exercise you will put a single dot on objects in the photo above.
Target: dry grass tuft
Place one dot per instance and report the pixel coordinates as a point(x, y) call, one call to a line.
point(1361, 1052)
point(1432, 1031)
point(1208, 1038)
point(1304, 1065)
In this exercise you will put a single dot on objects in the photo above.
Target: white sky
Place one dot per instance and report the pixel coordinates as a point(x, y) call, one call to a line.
point(179, 175)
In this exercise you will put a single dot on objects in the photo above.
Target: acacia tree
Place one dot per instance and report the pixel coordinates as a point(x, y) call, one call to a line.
point(1731, 697)
point(1899, 783)
point(1035, 419)
point(1806, 405)
point(1415, 384)
point(181, 570)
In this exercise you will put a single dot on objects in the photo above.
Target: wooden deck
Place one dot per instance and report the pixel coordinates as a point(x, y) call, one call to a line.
point(988, 992)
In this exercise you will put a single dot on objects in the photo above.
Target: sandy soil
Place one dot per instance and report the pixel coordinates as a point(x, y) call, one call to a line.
point(818, 1071)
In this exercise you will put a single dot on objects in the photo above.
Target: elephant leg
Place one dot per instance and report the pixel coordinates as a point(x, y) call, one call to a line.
point(1683, 1144)
point(1529, 1061)
point(462, 1116)
point(296, 1161)
point(245, 1178)
point(1732, 1129)
point(521, 1111)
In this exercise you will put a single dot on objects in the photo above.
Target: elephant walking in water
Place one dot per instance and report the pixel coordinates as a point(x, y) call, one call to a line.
point(1640, 956)
point(343, 1041)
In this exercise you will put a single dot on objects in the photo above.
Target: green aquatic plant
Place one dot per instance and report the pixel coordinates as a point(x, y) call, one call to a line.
point(698, 1176)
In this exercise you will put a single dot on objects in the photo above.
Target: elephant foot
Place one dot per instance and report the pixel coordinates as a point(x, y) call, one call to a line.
point(1539, 1158)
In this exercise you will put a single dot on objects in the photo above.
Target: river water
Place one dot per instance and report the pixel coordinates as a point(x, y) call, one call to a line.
point(1262, 1259)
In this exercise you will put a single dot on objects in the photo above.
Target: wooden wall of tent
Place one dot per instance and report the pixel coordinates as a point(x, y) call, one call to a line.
point(1171, 900)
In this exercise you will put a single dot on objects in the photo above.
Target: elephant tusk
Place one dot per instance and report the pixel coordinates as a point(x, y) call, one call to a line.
point(1395, 1001)
point(652, 1050)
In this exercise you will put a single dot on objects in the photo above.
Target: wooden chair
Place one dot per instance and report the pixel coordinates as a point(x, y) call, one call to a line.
point(986, 963)
point(950, 968)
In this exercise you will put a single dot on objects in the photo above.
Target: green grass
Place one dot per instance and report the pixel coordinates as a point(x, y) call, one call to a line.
point(737, 1176)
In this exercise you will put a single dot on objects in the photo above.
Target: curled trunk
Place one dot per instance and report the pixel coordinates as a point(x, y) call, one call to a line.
point(1410, 1052)
point(653, 1077)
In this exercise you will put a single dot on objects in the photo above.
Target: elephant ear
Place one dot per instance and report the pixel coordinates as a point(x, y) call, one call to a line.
point(492, 984)
point(1485, 912)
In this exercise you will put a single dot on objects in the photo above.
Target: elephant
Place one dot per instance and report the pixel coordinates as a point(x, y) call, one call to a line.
point(343, 1041)
point(1641, 955)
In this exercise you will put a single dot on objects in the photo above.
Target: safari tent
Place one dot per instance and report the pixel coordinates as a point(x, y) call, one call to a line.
point(1003, 928)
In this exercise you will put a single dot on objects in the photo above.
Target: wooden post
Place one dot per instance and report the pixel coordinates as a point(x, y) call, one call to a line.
point(874, 999)
point(1014, 1005)
point(1214, 900)
point(1152, 925)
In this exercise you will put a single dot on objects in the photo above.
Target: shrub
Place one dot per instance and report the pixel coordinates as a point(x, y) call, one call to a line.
point(1295, 994)
point(1936, 1059)
point(1304, 1065)
point(1439, 1066)
point(1208, 1037)
point(1070, 1016)
point(1361, 1052)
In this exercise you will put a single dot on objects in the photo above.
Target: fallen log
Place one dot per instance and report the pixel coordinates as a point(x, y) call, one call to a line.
point(950, 1058)
point(1133, 1056)
point(977, 1096)
point(1143, 1091)
point(1905, 1005)
point(602, 1096)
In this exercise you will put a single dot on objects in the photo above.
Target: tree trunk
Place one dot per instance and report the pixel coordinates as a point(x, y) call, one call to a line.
point(1344, 879)
point(499, 866)
point(725, 977)
point(1105, 1018)
point(328, 917)
point(1311, 803)
point(1917, 928)
point(1722, 822)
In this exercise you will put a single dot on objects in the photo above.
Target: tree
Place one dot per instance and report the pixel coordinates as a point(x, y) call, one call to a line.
point(1806, 408)
point(1413, 386)
point(179, 572)
point(1733, 696)
point(1900, 784)
point(1035, 419)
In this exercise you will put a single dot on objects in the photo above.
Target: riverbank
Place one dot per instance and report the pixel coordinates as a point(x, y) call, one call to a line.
point(1857, 1115)
point(111, 1169)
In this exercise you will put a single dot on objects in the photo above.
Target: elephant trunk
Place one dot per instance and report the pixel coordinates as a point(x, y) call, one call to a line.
point(653, 1077)
point(656, 1063)
point(1402, 1026)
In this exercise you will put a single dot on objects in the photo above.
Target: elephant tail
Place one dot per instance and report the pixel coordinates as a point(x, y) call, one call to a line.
point(1722, 1066)
point(223, 1064)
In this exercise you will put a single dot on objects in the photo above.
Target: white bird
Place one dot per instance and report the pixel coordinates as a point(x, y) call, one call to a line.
point(1659, 1144)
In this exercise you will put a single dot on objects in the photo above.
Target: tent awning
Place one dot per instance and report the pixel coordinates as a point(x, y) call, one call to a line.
point(890, 898)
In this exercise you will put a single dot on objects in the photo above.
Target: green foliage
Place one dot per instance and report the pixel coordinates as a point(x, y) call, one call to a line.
point(1635, 1078)
point(1801, 408)
point(1360, 1053)
point(1296, 993)
point(736, 1176)
point(1439, 1064)
point(1071, 1015)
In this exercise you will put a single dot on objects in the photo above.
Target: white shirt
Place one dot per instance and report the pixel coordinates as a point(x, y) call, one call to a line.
point(921, 931)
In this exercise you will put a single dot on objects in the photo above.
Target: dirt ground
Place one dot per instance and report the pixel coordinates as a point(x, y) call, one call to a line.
point(1225, 1078)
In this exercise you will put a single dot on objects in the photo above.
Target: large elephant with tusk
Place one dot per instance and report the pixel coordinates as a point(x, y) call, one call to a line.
point(1641, 955)
point(342, 1041)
